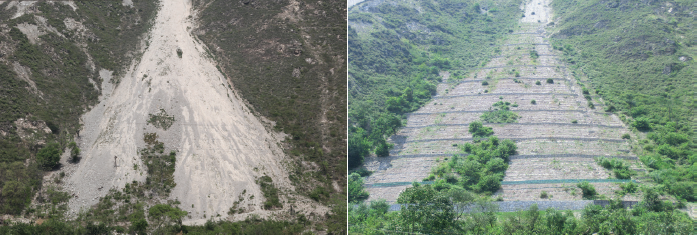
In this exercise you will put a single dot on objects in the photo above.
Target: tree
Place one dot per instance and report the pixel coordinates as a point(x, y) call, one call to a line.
point(49, 156)
point(356, 191)
point(425, 209)
point(163, 213)
point(15, 196)
point(358, 148)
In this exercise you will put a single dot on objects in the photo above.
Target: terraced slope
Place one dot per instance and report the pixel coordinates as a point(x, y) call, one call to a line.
point(554, 152)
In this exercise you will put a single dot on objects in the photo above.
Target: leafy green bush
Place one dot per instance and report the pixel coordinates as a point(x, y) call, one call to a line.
point(587, 189)
point(15, 195)
point(479, 130)
point(163, 214)
point(550, 81)
point(489, 184)
point(641, 124)
point(629, 187)
point(626, 136)
point(138, 226)
point(533, 102)
point(49, 156)
point(485, 83)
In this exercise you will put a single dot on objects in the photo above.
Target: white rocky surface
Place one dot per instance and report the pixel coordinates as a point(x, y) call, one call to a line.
point(221, 147)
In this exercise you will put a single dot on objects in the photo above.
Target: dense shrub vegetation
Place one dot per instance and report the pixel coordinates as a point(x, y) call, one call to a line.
point(644, 71)
point(428, 210)
point(481, 171)
point(248, 226)
point(397, 51)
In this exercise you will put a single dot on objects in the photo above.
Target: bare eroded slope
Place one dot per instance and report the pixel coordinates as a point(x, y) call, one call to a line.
point(221, 147)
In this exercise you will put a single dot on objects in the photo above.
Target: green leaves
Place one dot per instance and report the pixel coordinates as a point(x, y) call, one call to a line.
point(164, 212)
point(49, 156)
point(479, 130)
point(587, 189)
point(356, 191)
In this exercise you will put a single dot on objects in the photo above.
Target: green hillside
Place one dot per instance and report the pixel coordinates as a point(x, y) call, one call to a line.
point(640, 58)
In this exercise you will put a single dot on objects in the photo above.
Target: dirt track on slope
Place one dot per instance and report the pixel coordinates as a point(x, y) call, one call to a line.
point(221, 147)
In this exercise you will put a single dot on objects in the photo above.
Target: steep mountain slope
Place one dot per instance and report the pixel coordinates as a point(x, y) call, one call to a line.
point(51, 55)
point(221, 147)
point(288, 60)
point(398, 52)
point(557, 133)
point(639, 57)
point(187, 128)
